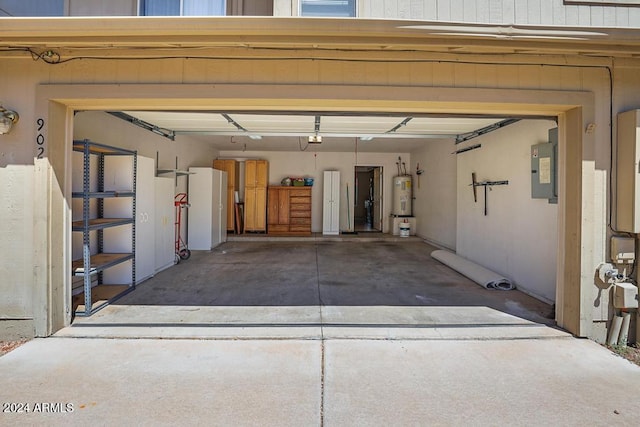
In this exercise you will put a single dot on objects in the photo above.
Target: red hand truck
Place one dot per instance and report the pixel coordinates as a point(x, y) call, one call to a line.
point(182, 252)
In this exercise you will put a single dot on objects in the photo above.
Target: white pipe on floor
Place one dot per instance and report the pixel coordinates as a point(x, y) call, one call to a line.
point(482, 276)
point(614, 332)
point(624, 329)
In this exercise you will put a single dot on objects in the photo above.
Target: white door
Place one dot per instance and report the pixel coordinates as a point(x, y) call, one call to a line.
point(201, 209)
point(164, 223)
point(331, 203)
point(218, 208)
point(145, 219)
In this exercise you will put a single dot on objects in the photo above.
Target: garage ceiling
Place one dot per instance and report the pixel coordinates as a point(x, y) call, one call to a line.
point(288, 132)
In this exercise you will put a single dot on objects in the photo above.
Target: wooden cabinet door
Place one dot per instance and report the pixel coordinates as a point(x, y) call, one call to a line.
point(232, 172)
point(250, 209)
point(255, 198)
point(250, 167)
point(231, 167)
point(273, 208)
point(260, 209)
point(219, 164)
point(283, 207)
point(261, 173)
point(231, 208)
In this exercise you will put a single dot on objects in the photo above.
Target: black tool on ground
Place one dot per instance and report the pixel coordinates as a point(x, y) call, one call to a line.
point(484, 184)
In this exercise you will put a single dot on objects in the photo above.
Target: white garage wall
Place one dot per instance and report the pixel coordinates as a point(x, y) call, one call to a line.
point(107, 129)
point(518, 237)
point(435, 195)
point(313, 164)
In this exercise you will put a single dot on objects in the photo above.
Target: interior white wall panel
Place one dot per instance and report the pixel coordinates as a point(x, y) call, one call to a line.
point(518, 236)
point(312, 164)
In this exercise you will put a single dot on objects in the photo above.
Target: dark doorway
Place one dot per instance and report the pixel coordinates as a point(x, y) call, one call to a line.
point(367, 202)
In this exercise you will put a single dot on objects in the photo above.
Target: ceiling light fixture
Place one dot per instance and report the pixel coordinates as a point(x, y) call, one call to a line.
point(8, 118)
point(366, 138)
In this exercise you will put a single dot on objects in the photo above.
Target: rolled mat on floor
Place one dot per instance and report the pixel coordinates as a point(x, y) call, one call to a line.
point(482, 276)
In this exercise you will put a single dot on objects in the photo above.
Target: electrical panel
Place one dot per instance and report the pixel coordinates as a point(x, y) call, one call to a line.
point(543, 169)
point(623, 250)
point(627, 172)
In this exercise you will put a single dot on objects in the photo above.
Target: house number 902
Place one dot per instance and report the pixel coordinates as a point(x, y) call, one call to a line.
point(40, 138)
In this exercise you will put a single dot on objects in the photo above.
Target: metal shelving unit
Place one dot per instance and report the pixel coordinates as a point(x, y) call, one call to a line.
point(91, 267)
point(175, 171)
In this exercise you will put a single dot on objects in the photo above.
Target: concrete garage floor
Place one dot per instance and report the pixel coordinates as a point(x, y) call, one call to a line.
point(389, 289)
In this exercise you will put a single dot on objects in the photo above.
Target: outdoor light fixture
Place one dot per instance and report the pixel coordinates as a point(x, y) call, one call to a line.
point(7, 119)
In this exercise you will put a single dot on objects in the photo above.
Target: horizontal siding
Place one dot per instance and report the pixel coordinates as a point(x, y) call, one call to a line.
point(520, 12)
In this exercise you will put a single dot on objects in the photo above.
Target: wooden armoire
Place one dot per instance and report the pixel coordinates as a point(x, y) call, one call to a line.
point(289, 210)
point(230, 166)
point(256, 176)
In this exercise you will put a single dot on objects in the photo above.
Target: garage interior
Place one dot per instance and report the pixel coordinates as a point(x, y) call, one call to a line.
point(350, 278)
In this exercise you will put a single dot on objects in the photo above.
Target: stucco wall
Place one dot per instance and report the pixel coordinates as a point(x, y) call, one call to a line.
point(518, 236)
point(313, 164)
point(435, 194)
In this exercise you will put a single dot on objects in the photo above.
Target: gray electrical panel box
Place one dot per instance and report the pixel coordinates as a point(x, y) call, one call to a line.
point(543, 169)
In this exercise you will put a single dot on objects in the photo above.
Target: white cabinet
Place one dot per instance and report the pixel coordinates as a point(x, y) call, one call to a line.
point(164, 223)
point(331, 203)
point(117, 176)
point(207, 226)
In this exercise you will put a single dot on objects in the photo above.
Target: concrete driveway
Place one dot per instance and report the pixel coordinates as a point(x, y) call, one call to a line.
point(332, 382)
point(317, 334)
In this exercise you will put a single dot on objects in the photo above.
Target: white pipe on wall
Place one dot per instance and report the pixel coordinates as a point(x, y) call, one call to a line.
point(624, 329)
point(614, 332)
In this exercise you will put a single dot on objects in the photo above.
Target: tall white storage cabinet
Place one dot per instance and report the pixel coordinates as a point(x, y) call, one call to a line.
point(207, 226)
point(331, 203)
point(165, 223)
point(117, 177)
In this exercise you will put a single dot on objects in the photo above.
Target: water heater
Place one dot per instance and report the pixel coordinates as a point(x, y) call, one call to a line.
point(401, 195)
